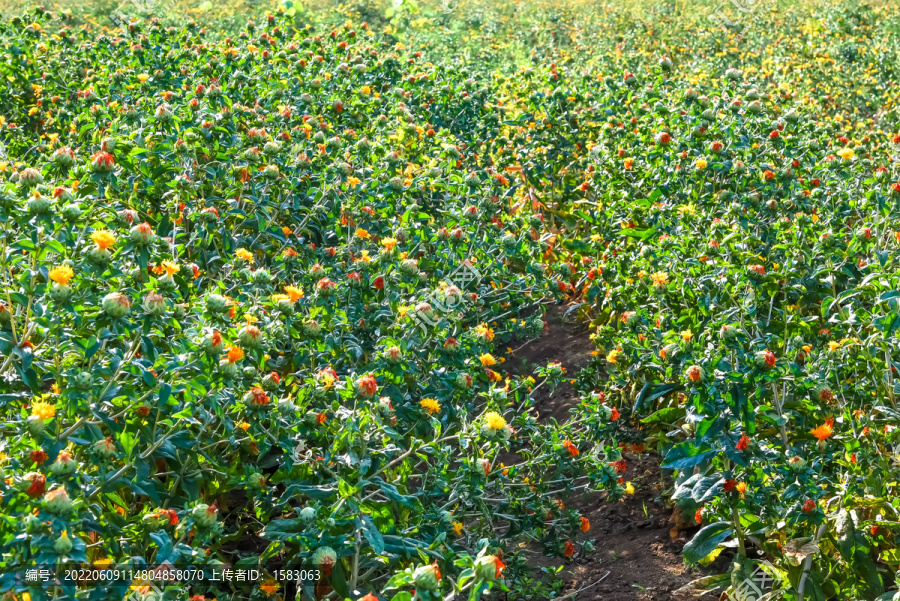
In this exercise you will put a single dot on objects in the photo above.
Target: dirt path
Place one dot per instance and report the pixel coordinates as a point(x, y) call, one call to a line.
point(633, 546)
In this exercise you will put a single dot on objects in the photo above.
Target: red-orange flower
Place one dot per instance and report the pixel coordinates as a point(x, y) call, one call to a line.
point(824, 431)
point(38, 483)
point(367, 385)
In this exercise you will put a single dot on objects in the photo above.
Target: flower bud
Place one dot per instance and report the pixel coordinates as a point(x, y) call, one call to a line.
point(57, 501)
point(116, 304)
point(142, 234)
point(325, 557)
point(64, 465)
point(204, 515)
point(427, 577)
point(250, 336)
point(154, 304)
point(63, 544)
point(797, 464)
point(105, 448)
point(35, 425)
point(487, 568)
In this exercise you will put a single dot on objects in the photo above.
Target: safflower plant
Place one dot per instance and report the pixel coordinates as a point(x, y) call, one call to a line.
point(257, 291)
point(740, 287)
point(254, 297)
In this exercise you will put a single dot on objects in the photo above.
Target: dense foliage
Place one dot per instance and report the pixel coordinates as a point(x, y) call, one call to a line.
point(258, 290)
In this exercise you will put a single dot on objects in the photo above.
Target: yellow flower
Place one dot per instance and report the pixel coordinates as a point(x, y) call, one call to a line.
point(487, 360)
point(457, 528)
point(294, 293)
point(389, 244)
point(484, 330)
point(431, 406)
point(143, 77)
point(495, 421)
point(366, 90)
point(243, 253)
point(629, 488)
point(629, 162)
point(244, 426)
point(327, 379)
point(845, 153)
point(660, 279)
point(235, 354)
point(171, 267)
point(353, 181)
point(269, 586)
point(43, 410)
point(688, 209)
point(103, 239)
point(700, 164)
point(61, 275)
point(833, 346)
point(613, 356)
point(687, 335)
point(362, 234)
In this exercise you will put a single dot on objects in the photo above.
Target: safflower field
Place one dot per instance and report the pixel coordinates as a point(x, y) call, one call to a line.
point(391, 302)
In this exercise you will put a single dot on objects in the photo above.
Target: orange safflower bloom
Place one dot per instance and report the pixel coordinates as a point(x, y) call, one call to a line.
point(824, 431)
point(367, 385)
point(295, 293)
point(103, 239)
point(235, 354)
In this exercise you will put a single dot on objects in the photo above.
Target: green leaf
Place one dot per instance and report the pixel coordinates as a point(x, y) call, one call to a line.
point(310, 490)
point(669, 415)
point(686, 455)
point(651, 392)
point(705, 541)
point(280, 530)
point(367, 525)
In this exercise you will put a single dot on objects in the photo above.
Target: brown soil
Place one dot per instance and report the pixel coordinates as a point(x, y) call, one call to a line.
point(635, 557)
point(565, 342)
